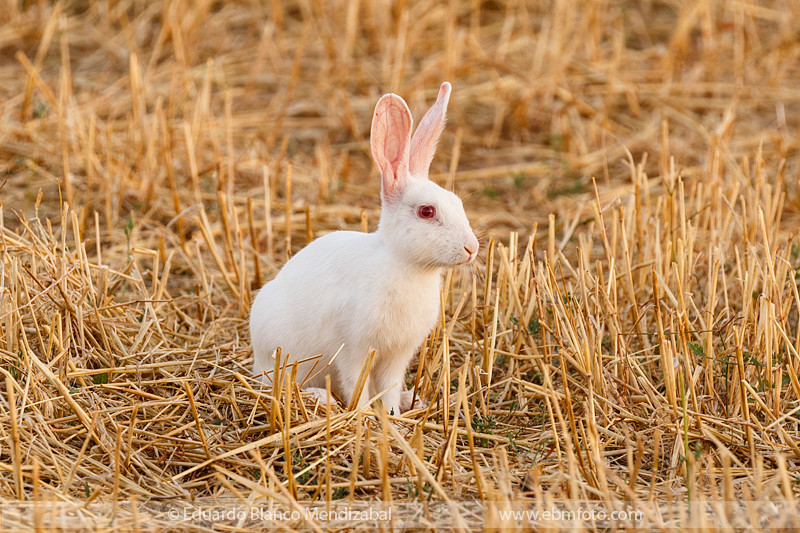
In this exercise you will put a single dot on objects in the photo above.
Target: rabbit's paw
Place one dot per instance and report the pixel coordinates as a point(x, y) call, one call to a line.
point(405, 401)
point(320, 395)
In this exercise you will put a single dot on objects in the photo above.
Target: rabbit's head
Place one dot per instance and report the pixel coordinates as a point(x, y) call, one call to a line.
point(420, 221)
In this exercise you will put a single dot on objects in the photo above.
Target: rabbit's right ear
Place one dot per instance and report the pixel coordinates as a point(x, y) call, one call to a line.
point(390, 139)
point(423, 144)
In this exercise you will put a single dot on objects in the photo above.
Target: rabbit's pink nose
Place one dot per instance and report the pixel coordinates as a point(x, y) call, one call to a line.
point(472, 245)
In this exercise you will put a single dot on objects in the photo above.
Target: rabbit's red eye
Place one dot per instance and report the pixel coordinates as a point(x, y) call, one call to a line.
point(426, 211)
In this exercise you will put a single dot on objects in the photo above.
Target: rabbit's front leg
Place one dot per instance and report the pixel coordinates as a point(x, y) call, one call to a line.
point(406, 397)
point(347, 378)
point(389, 373)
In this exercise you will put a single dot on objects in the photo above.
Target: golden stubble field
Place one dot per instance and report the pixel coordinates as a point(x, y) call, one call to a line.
point(628, 334)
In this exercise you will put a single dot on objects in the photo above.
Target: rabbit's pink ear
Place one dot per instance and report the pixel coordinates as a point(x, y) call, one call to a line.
point(423, 145)
point(390, 139)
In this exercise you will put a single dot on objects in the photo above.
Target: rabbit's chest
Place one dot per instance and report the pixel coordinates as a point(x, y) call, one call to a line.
point(404, 317)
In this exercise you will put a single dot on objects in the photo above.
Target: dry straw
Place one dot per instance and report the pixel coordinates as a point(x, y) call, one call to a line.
point(630, 332)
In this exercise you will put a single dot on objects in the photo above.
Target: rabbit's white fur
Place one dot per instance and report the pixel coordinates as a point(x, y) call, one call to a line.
point(348, 292)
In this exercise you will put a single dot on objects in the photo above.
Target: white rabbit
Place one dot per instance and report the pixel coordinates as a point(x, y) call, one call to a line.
point(356, 291)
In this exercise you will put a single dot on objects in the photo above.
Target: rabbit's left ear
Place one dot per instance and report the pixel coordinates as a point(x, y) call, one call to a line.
point(390, 138)
point(423, 144)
